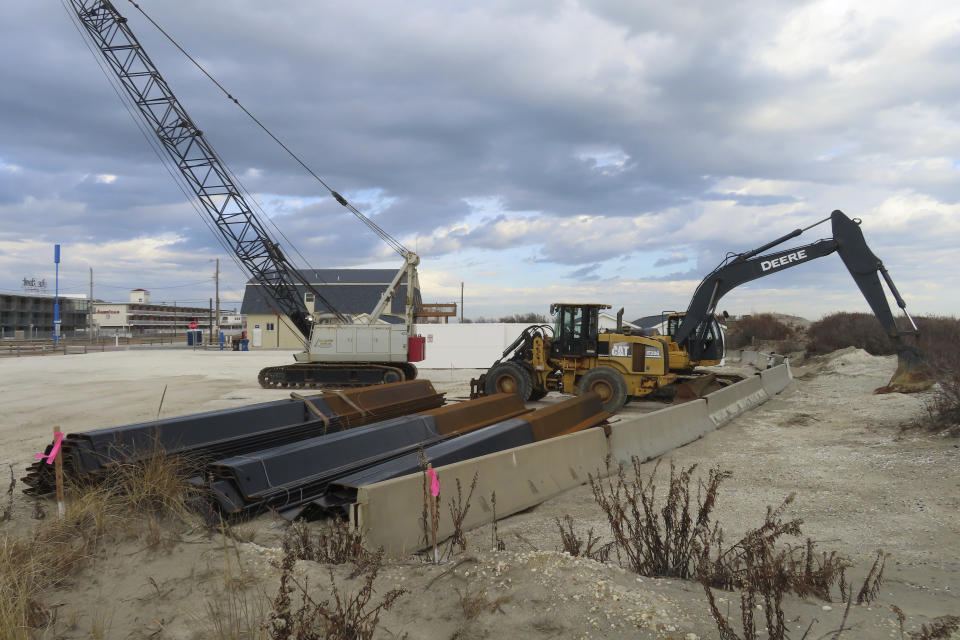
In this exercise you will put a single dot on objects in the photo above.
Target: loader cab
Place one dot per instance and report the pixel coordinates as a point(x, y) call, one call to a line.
point(575, 329)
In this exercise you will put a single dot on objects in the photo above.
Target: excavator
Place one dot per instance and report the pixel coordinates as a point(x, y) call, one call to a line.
point(573, 356)
point(339, 351)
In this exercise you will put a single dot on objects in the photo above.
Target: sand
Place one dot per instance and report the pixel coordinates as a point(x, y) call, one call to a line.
point(860, 483)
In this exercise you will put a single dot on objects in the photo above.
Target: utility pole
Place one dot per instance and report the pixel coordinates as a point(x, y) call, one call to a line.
point(461, 302)
point(90, 309)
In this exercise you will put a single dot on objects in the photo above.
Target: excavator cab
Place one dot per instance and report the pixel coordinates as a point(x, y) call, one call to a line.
point(576, 328)
point(709, 336)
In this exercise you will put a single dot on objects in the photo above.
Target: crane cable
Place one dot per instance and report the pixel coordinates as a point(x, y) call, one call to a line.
point(386, 237)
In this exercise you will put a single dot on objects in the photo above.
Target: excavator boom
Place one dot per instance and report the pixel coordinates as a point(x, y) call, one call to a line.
point(864, 266)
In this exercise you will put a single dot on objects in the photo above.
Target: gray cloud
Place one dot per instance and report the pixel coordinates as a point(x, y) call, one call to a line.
point(676, 258)
point(691, 130)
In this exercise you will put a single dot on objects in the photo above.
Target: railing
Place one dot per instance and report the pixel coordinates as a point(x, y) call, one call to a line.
point(65, 346)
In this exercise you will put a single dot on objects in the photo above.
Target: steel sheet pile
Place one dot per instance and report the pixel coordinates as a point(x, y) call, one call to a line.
point(289, 477)
point(308, 453)
point(202, 438)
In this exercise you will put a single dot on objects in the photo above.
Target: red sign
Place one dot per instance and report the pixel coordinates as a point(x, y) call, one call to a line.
point(193, 324)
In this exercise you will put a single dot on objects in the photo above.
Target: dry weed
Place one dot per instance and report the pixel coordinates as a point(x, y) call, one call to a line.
point(234, 613)
point(335, 543)
point(871, 584)
point(765, 572)
point(8, 510)
point(495, 539)
point(458, 513)
point(473, 604)
point(134, 502)
point(940, 629)
point(658, 541)
point(575, 545)
point(340, 617)
point(45, 559)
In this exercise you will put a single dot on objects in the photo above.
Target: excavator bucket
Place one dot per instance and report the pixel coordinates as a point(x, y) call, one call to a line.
point(912, 374)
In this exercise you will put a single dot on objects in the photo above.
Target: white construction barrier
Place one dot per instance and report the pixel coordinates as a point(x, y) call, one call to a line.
point(729, 402)
point(776, 378)
point(466, 346)
point(389, 512)
point(760, 359)
point(653, 434)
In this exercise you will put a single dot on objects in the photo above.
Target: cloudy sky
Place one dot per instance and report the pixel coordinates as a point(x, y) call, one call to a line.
point(607, 151)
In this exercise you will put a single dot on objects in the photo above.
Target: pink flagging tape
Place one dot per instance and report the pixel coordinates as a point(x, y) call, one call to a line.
point(58, 438)
point(434, 482)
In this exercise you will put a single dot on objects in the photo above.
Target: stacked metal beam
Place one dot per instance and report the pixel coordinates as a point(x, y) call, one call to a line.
point(284, 478)
point(205, 437)
point(333, 486)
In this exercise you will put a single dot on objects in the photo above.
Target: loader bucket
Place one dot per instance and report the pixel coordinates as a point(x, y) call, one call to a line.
point(912, 374)
point(696, 388)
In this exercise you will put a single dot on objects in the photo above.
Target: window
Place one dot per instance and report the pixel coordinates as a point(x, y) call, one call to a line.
point(308, 298)
point(269, 326)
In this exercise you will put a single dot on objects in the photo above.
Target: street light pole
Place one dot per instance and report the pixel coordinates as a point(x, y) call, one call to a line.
point(56, 295)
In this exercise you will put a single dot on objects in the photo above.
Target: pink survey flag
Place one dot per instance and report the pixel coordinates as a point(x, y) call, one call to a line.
point(434, 482)
point(58, 438)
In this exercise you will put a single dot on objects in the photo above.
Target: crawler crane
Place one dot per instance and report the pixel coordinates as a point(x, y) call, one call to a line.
point(339, 351)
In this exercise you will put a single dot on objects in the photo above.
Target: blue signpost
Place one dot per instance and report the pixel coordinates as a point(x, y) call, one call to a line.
point(56, 295)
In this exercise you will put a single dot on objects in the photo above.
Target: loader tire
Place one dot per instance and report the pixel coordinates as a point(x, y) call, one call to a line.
point(608, 384)
point(508, 377)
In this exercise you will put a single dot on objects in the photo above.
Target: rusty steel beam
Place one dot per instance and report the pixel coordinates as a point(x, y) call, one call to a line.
point(569, 416)
point(463, 417)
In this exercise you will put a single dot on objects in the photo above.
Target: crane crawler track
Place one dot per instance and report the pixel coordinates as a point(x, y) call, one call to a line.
point(316, 375)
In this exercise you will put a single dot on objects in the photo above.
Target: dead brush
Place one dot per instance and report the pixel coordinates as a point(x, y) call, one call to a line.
point(495, 539)
point(7, 514)
point(233, 612)
point(156, 486)
point(132, 503)
point(941, 347)
point(342, 616)
point(803, 571)
point(762, 326)
point(764, 573)
point(46, 558)
point(473, 604)
point(334, 543)
point(576, 546)
point(940, 629)
point(871, 584)
point(657, 541)
point(459, 508)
